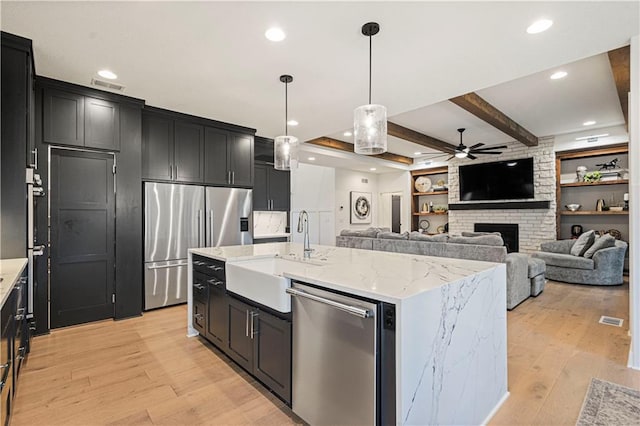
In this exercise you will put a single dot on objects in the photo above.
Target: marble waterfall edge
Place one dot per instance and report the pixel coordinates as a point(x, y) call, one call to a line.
point(453, 351)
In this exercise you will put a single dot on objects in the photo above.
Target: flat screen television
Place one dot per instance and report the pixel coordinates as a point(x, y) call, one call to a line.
point(500, 180)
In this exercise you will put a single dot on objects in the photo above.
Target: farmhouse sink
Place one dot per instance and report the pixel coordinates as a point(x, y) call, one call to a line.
point(262, 280)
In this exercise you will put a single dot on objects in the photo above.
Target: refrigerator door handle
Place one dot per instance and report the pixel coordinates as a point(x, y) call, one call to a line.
point(211, 228)
point(175, 265)
point(199, 228)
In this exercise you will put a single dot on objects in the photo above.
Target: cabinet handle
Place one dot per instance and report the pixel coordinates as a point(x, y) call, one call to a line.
point(199, 286)
point(246, 325)
point(253, 315)
point(199, 317)
point(170, 172)
point(233, 177)
point(35, 158)
point(176, 172)
point(229, 177)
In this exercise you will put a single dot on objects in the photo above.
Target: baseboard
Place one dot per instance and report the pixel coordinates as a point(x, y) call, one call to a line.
point(496, 408)
point(630, 362)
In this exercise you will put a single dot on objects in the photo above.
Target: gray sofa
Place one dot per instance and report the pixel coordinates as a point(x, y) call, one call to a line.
point(487, 248)
point(604, 268)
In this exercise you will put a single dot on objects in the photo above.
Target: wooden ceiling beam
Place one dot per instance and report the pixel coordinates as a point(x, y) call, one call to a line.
point(482, 109)
point(406, 134)
point(620, 62)
point(326, 142)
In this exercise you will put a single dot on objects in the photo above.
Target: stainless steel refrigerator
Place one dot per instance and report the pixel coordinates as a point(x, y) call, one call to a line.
point(180, 217)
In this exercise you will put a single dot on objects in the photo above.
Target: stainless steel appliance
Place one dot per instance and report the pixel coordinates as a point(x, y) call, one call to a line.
point(343, 366)
point(34, 190)
point(180, 217)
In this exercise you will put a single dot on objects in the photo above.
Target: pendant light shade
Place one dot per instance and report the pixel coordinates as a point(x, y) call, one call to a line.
point(370, 121)
point(285, 147)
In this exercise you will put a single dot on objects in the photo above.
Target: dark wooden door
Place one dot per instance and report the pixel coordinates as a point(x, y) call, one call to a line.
point(82, 237)
point(395, 213)
point(279, 191)
point(272, 353)
point(217, 322)
point(102, 124)
point(216, 170)
point(240, 347)
point(188, 148)
point(63, 118)
point(261, 200)
point(157, 147)
point(241, 159)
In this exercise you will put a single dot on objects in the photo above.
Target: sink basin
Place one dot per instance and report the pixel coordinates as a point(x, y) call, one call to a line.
point(261, 280)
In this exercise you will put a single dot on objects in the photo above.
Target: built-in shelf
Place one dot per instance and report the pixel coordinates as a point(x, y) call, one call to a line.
point(420, 194)
point(430, 214)
point(500, 205)
point(593, 213)
point(606, 182)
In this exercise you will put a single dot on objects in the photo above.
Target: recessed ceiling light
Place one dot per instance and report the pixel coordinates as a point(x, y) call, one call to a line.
point(107, 74)
point(292, 123)
point(558, 74)
point(311, 158)
point(373, 169)
point(540, 26)
point(347, 133)
point(589, 123)
point(275, 34)
point(417, 153)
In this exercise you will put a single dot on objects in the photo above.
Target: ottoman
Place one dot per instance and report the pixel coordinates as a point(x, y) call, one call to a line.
point(537, 268)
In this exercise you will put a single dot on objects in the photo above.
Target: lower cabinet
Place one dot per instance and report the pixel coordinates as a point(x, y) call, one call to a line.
point(217, 323)
point(261, 343)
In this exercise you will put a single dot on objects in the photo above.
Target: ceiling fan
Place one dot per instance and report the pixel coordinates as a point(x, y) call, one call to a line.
point(463, 152)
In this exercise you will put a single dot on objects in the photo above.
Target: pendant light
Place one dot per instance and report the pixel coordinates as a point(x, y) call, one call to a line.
point(284, 147)
point(370, 121)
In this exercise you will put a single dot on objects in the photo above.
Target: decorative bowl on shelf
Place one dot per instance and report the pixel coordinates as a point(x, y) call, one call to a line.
point(573, 207)
point(615, 208)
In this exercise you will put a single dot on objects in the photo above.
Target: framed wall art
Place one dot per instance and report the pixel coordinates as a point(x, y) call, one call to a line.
point(360, 207)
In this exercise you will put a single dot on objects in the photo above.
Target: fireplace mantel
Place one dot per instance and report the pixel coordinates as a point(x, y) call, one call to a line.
point(501, 205)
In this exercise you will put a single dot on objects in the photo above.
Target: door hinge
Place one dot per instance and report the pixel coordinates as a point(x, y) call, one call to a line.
point(113, 298)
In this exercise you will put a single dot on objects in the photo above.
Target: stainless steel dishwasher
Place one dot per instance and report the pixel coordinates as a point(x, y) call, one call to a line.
point(343, 363)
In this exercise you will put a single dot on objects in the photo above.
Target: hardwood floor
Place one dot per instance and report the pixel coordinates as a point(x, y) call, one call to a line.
point(144, 371)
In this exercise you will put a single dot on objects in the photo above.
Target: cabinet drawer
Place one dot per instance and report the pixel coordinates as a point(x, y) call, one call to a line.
point(200, 287)
point(209, 267)
point(200, 317)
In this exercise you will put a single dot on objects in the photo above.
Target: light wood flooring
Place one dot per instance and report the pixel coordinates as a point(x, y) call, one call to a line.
point(145, 371)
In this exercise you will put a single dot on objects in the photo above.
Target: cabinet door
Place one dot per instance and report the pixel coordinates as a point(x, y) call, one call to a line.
point(240, 347)
point(188, 148)
point(241, 159)
point(216, 170)
point(63, 118)
point(200, 317)
point(279, 189)
point(217, 324)
point(157, 147)
point(102, 124)
point(260, 192)
point(272, 353)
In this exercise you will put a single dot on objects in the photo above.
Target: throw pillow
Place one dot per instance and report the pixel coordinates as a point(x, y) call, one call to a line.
point(603, 242)
point(583, 243)
point(393, 236)
point(483, 240)
point(419, 236)
point(479, 234)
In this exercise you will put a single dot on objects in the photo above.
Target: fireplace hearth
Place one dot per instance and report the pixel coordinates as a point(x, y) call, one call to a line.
point(509, 232)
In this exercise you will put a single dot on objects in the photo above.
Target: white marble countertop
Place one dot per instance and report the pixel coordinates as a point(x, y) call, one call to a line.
point(277, 235)
point(384, 276)
point(10, 271)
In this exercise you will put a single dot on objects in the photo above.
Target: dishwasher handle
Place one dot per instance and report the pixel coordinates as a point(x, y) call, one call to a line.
point(353, 310)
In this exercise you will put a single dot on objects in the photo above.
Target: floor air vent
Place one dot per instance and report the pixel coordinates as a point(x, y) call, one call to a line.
point(107, 84)
point(616, 322)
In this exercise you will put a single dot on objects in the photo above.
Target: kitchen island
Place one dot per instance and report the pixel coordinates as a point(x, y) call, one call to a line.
point(450, 321)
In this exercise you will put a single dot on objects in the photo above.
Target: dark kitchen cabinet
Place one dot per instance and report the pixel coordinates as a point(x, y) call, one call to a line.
point(188, 147)
point(271, 190)
point(217, 323)
point(261, 343)
point(228, 158)
point(82, 121)
point(157, 147)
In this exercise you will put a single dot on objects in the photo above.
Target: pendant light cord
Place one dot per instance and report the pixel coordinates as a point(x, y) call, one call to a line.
point(370, 49)
point(286, 109)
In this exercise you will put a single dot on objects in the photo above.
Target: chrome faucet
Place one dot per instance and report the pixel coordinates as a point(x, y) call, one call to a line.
point(303, 226)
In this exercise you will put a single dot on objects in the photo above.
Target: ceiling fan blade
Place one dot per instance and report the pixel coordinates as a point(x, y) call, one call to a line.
point(470, 156)
point(488, 152)
point(478, 145)
point(450, 158)
point(491, 148)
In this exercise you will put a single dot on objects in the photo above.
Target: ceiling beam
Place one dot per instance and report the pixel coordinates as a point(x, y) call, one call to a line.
point(400, 132)
point(620, 62)
point(482, 109)
point(348, 147)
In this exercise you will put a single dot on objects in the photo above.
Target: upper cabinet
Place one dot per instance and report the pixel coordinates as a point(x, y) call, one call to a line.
point(77, 120)
point(228, 158)
point(272, 188)
point(175, 148)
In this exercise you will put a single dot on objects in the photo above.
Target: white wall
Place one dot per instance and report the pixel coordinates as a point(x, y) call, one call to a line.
point(634, 210)
point(347, 181)
point(313, 190)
